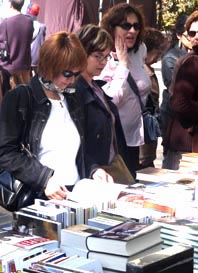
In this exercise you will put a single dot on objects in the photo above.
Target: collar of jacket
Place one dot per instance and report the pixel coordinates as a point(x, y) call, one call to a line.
point(89, 96)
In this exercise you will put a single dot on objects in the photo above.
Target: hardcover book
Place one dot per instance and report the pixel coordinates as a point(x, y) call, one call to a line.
point(125, 239)
point(76, 236)
point(119, 262)
point(178, 258)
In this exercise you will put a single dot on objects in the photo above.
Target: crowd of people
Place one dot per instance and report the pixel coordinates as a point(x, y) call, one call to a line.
point(83, 109)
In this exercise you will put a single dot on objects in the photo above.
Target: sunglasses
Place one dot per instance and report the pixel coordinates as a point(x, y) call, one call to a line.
point(127, 26)
point(69, 74)
point(192, 33)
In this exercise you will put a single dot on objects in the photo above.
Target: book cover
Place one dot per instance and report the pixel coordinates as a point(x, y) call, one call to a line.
point(103, 222)
point(177, 258)
point(125, 239)
point(28, 242)
point(38, 226)
point(75, 236)
point(119, 262)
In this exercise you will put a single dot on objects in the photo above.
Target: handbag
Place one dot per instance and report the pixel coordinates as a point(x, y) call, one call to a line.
point(14, 194)
point(4, 48)
point(119, 171)
point(150, 120)
point(117, 168)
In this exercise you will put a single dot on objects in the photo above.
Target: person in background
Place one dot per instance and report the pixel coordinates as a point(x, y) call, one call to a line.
point(156, 43)
point(19, 29)
point(182, 129)
point(39, 34)
point(101, 115)
point(56, 132)
point(179, 46)
point(126, 25)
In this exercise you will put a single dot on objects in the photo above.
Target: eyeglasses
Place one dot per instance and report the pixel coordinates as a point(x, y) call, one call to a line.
point(128, 26)
point(192, 33)
point(69, 74)
point(101, 58)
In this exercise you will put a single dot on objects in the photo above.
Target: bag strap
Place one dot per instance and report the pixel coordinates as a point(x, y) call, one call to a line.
point(135, 89)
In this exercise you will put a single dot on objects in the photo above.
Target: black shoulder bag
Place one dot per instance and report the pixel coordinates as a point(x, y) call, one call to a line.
point(151, 125)
point(14, 194)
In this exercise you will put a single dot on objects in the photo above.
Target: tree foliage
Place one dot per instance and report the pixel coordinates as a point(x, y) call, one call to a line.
point(168, 10)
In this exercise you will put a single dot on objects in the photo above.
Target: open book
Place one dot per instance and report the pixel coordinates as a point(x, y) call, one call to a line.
point(88, 190)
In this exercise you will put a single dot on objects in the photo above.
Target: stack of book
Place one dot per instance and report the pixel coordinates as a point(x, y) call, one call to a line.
point(189, 161)
point(181, 231)
point(18, 250)
point(115, 246)
point(175, 259)
point(73, 239)
point(59, 262)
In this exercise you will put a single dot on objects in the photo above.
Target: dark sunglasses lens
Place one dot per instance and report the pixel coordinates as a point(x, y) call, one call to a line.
point(192, 33)
point(69, 74)
point(127, 26)
point(136, 26)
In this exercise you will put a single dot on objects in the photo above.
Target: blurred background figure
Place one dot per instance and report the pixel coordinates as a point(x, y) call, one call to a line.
point(184, 97)
point(179, 46)
point(156, 43)
point(17, 30)
point(39, 34)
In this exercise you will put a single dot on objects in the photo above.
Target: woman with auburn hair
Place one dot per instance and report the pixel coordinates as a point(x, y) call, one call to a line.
point(55, 134)
point(125, 23)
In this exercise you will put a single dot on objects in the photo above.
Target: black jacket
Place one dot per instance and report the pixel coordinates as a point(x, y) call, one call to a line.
point(98, 125)
point(30, 170)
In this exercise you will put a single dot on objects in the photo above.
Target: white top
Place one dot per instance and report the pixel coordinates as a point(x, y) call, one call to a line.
point(127, 102)
point(60, 143)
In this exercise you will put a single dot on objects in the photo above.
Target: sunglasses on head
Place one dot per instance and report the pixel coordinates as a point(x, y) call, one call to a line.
point(127, 26)
point(69, 74)
point(192, 33)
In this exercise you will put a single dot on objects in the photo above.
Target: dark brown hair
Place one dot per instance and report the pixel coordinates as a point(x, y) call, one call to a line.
point(94, 38)
point(61, 51)
point(192, 18)
point(154, 39)
point(118, 14)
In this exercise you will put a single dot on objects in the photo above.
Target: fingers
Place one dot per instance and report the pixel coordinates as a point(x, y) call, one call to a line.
point(102, 176)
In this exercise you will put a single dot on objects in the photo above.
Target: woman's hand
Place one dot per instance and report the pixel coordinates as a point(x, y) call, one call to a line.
point(121, 51)
point(55, 191)
point(101, 175)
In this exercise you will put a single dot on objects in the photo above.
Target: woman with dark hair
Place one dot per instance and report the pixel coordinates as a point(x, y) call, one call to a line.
point(103, 130)
point(125, 23)
point(179, 46)
point(55, 134)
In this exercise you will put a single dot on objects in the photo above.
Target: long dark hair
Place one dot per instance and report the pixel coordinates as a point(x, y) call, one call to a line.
point(118, 14)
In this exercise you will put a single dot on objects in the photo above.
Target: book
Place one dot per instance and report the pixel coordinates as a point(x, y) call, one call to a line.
point(76, 235)
point(126, 238)
point(192, 157)
point(119, 262)
point(178, 258)
point(38, 225)
point(52, 213)
point(163, 175)
point(25, 241)
point(70, 250)
point(103, 222)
